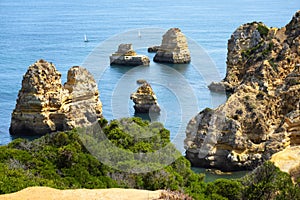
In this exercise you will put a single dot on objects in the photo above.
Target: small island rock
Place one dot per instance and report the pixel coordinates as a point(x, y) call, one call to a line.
point(145, 99)
point(141, 81)
point(173, 49)
point(128, 57)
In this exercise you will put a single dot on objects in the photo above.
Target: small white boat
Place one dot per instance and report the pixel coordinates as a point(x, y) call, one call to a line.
point(139, 34)
point(85, 38)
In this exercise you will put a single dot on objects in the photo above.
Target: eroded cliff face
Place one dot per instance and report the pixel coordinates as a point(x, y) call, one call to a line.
point(145, 99)
point(261, 115)
point(82, 106)
point(44, 105)
point(173, 49)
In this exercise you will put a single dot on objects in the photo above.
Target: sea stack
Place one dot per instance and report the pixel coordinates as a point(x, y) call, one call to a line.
point(82, 106)
point(145, 100)
point(128, 57)
point(173, 49)
point(44, 105)
point(262, 114)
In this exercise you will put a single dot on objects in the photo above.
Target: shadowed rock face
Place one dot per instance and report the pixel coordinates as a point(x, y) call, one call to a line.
point(44, 105)
point(145, 100)
point(173, 49)
point(261, 116)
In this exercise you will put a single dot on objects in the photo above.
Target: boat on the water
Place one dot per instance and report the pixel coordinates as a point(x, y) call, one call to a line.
point(85, 38)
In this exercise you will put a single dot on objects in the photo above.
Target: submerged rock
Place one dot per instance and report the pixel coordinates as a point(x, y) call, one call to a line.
point(174, 48)
point(44, 105)
point(261, 116)
point(145, 99)
point(128, 57)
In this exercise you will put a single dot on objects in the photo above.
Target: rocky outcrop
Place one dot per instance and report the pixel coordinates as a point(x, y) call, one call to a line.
point(153, 49)
point(44, 105)
point(82, 106)
point(141, 81)
point(128, 57)
point(145, 100)
point(261, 116)
point(173, 49)
point(288, 161)
point(219, 87)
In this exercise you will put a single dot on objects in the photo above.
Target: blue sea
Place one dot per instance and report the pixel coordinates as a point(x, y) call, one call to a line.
point(54, 30)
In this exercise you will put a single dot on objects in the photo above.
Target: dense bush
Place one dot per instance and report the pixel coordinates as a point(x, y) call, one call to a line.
point(72, 160)
point(268, 182)
point(62, 160)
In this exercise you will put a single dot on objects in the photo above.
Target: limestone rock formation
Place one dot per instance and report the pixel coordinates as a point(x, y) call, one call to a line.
point(44, 105)
point(174, 48)
point(219, 87)
point(128, 57)
point(288, 161)
point(145, 99)
point(85, 107)
point(261, 116)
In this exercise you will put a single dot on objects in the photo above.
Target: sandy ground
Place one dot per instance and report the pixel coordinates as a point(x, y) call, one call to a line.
point(45, 193)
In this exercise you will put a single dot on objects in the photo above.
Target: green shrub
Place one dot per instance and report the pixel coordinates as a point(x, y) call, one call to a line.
point(230, 189)
point(60, 160)
point(263, 30)
point(268, 182)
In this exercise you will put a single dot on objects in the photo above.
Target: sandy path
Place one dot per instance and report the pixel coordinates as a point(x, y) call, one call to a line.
point(45, 193)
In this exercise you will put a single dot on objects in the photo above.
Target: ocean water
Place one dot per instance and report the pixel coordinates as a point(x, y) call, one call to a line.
point(53, 30)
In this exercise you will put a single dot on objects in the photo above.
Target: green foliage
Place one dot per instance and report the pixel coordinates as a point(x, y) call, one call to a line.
point(61, 160)
point(273, 64)
point(64, 160)
point(263, 30)
point(249, 53)
point(268, 182)
point(230, 189)
point(137, 135)
point(57, 160)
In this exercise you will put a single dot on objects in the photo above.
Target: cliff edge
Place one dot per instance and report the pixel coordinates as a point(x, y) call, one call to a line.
point(261, 116)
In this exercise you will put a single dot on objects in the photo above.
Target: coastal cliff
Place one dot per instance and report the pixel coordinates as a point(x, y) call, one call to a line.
point(44, 105)
point(261, 116)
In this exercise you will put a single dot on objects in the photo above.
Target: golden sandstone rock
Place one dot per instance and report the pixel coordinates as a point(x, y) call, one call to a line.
point(128, 57)
point(145, 99)
point(44, 105)
point(261, 115)
point(173, 49)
